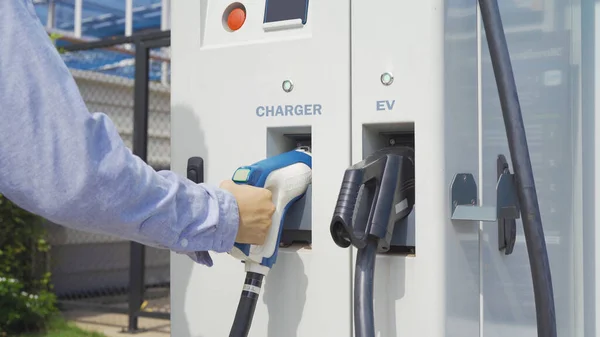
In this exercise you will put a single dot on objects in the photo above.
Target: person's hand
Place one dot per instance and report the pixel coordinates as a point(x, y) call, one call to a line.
point(256, 210)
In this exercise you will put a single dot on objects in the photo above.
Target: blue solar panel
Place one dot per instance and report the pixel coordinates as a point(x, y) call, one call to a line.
point(100, 19)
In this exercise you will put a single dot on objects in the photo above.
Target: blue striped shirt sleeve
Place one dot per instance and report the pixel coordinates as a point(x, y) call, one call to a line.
point(71, 167)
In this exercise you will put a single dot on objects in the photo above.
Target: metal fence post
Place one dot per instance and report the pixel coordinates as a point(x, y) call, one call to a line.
point(140, 148)
point(101, 297)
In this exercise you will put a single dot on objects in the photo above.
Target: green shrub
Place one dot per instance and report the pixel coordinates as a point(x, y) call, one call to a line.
point(21, 311)
point(26, 300)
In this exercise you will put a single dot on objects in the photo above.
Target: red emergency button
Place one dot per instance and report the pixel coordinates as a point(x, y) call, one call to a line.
point(236, 18)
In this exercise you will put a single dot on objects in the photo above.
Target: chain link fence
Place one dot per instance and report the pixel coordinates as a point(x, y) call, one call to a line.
point(92, 272)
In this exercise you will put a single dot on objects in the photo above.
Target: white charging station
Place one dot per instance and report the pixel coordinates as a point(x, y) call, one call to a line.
point(411, 75)
point(237, 98)
point(351, 77)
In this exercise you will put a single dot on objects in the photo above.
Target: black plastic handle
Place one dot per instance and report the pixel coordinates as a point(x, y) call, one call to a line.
point(195, 169)
point(375, 194)
point(341, 225)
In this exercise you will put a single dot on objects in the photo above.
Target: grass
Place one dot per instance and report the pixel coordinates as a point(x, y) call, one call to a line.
point(58, 327)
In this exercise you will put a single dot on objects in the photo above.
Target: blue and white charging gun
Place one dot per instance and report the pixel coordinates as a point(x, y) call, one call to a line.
point(287, 176)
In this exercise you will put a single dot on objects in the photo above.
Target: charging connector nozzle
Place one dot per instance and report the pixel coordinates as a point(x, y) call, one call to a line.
point(376, 194)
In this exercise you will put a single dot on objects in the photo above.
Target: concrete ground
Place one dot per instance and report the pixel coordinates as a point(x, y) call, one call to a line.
point(113, 325)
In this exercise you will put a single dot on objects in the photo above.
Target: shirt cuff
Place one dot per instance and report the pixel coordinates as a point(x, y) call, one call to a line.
point(202, 258)
point(229, 214)
point(224, 238)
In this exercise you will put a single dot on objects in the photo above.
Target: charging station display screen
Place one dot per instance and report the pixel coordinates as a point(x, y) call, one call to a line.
point(285, 10)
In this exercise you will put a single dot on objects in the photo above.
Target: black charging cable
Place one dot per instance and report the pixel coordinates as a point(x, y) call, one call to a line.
point(364, 320)
point(519, 153)
point(364, 275)
point(247, 305)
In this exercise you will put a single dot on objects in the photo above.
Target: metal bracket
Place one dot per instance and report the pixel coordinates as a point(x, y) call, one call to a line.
point(302, 140)
point(400, 138)
point(464, 204)
point(507, 227)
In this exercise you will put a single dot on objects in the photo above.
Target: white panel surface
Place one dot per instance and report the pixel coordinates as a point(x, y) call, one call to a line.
point(220, 78)
point(430, 48)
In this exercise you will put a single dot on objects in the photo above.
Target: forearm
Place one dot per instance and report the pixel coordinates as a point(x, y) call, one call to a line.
point(96, 184)
point(71, 167)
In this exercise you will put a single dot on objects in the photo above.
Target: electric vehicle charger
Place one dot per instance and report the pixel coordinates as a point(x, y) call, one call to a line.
point(287, 176)
point(368, 235)
point(376, 194)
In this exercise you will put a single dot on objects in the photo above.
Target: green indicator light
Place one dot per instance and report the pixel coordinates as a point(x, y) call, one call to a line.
point(287, 85)
point(241, 175)
point(387, 79)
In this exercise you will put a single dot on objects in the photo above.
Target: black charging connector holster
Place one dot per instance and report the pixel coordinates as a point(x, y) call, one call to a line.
point(376, 193)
